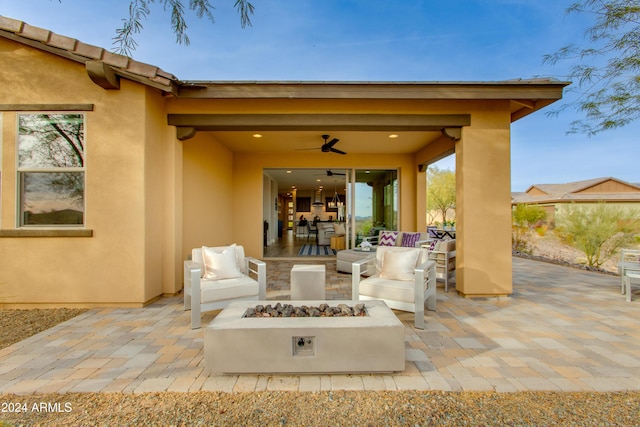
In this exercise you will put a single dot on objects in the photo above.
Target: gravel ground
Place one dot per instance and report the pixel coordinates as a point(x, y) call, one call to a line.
point(272, 408)
point(344, 408)
point(16, 325)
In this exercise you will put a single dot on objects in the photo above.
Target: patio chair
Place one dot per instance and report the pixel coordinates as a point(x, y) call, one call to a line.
point(444, 254)
point(629, 261)
point(215, 276)
point(404, 279)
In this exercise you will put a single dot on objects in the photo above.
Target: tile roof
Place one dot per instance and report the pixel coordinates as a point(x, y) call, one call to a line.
point(81, 52)
point(149, 74)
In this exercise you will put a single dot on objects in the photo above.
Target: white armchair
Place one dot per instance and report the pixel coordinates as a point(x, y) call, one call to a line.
point(215, 276)
point(404, 279)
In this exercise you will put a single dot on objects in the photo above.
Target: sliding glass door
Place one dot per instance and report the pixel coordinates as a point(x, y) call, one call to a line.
point(373, 202)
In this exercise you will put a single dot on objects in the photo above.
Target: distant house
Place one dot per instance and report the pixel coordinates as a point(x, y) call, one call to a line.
point(553, 196)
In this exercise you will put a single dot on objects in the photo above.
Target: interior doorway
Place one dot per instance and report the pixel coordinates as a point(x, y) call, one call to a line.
point(362, 201)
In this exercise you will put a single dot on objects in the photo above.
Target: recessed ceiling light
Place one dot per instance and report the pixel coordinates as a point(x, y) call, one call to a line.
point(393, 135)
point(288, 171)
point(257, 135)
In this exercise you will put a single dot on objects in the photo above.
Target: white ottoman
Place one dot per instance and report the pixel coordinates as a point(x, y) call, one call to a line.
point(307, 282)
point(345, 258)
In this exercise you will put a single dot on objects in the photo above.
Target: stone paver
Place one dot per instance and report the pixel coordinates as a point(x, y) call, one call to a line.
point(561, 330)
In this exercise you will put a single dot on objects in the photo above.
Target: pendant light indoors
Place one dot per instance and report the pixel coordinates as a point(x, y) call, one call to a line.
point(335, 202)
point(317, 202)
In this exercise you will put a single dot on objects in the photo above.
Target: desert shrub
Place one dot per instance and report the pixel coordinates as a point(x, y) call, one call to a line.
point(598, 231)
point(524, 218)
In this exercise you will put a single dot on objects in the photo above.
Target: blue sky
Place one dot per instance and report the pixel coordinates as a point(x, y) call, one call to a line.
point(375, 40)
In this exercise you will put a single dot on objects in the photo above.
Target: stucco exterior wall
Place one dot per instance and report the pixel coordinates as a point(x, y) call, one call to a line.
point(109, 268)
point(208, 201)
point(483, 203)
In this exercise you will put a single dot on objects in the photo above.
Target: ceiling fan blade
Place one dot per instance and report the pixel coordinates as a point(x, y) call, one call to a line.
point(335, 150)
point(333, 142)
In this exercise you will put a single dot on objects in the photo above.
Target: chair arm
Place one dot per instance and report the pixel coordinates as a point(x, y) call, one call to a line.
point(192, 274)
point(356, 271)
point(424, 273)
point(259, 268)
point(422, 243)
point(192, 293)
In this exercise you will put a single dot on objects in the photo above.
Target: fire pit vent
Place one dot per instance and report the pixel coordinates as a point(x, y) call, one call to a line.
point(303, 346)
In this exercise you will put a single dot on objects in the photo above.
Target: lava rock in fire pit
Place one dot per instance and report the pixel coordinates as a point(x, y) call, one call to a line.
point(288, 310)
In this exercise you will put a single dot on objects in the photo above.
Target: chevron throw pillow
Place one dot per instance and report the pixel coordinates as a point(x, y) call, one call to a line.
point(409, 240)
point(387, 238)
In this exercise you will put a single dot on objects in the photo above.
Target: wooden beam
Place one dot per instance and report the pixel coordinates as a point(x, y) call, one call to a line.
point(185, 132)
point(352, 122)
point(453, 133)
point(102, 75)
point(46, 107)
point(23, 232)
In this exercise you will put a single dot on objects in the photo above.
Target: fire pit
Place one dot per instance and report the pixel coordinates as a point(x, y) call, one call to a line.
point(289, 310)
point(372, 341)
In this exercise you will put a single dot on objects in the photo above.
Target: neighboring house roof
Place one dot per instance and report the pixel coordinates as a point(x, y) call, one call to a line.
point(106, 68)
point(591, 190)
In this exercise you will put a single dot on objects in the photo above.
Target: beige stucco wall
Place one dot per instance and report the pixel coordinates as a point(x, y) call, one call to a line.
point(483, 203)
point(122, 263)
point(208, 188)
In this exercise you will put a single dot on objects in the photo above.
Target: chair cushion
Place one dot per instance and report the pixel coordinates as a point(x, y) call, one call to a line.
point(381, 251)
point(387, 238)
point(409, 240)
point(220, 264)
point(218, 290)
point(339, 229)
point(396, 290)
point(399, 265)
point(196, 256)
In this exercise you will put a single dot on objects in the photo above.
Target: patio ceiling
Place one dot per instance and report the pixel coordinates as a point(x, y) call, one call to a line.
point(309, 142)
point(352, 142)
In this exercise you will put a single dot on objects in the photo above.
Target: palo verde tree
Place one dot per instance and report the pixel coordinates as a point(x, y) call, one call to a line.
point(597, 231)
point(139, 10)
point(441, 190)
point(605, 71)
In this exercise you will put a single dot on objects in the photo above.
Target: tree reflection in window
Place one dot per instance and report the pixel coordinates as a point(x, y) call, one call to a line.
point(51, 168)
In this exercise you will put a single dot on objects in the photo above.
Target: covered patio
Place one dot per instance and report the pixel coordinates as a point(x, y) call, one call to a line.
point(562, 329)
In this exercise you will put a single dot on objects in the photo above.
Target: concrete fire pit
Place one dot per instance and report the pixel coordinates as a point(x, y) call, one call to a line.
point(371, 343)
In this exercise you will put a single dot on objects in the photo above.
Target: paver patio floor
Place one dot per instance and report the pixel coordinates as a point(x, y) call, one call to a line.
point(562, 330)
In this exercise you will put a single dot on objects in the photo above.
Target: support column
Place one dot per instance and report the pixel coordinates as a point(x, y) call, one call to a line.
point(483, 208)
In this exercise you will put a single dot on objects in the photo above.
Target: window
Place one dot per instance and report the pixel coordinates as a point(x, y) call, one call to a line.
point(51, 169)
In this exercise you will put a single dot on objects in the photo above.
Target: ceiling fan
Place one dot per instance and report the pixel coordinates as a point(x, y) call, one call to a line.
point(330, 173)
point(327, 147)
